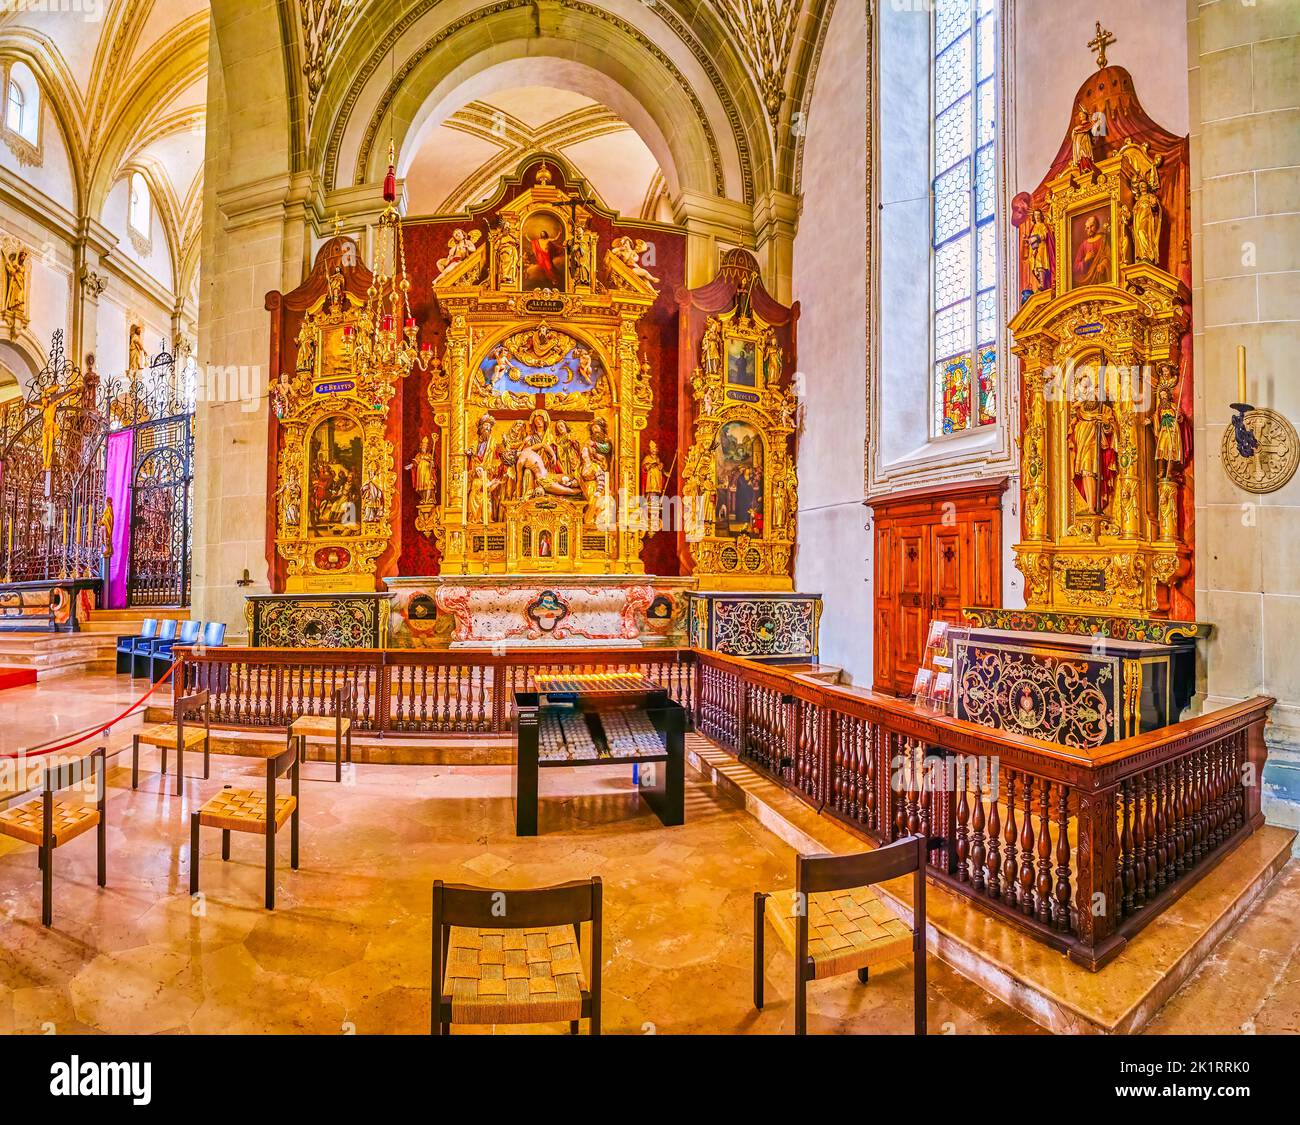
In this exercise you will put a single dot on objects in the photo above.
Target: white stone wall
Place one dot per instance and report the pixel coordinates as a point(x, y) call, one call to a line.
point(830, 283)
point(1244, 64)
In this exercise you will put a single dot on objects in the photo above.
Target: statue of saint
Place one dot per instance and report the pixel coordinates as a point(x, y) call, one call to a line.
point(653, 468)
point(484, 479)
point(135, 362)
point(372, 496)
point(580, 256)
point(1081, 141)
point(711, 348)
point(1092, 435)
point(1167, 421)
point(424, 471)
point(508, 252)
point(106, 526)
point(1125, 235)
point(1147, 219)
point(15, 279)
point(1040, 265)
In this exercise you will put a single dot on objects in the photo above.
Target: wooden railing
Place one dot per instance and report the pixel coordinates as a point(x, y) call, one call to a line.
point(1079, 847)
point(403, 691)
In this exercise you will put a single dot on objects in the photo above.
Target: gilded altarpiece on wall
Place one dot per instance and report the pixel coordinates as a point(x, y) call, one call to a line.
point(739, 482)
point(335, 478)
point(1103, 335)
point(542, 394)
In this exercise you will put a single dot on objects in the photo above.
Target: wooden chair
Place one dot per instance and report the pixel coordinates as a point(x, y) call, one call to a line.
point(317, 728)
point(180, 734)
point(49, 822)
point(523, 966)
point(845, 926)
point(245, 810)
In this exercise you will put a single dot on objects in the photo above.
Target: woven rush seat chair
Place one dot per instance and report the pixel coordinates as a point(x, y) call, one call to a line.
point(846, 926)
point(48, 822)
point(530, 971)
point(321, 728)
point(180, 734)
point(245, 810)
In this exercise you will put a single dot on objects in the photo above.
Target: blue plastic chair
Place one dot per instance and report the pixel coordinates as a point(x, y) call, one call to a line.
point(161, 657)
point(126, 645)
point(143, 647)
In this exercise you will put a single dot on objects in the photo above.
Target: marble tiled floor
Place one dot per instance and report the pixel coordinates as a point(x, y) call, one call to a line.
point(347, 947)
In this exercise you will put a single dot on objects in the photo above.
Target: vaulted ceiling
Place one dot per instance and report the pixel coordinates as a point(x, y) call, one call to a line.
point(129, 93)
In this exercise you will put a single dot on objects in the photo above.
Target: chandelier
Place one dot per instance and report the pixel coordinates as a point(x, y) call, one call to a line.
point(382, 344)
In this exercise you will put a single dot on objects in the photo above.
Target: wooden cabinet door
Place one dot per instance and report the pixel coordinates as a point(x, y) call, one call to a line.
point(948, 564)
point(912, 571)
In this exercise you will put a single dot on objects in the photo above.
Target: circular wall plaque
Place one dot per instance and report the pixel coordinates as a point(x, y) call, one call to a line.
point(1276, 455)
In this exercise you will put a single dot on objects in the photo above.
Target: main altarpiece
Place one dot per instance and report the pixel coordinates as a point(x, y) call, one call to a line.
point(519, 426)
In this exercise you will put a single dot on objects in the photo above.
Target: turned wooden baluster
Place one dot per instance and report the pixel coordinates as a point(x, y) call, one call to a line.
point(1010, 869)
point(978, 853)
point(1061, 913)
point(1149, 833)
point(994, 882)
point(1043, 886)
point(962, 848)
point(867, 794)
point(924, 794)
point(898, 784)
point(1140, 870)
point(1027, 847)
point(915, 784)
point(1128, 872)
point(1187, 833)
point(1197, 761)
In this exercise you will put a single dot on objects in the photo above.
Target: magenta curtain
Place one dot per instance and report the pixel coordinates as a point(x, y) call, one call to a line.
point(119, 448)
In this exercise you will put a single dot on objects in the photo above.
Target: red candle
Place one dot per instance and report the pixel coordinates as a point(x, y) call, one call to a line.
point(410, 322)
point(426, 347)
point(388, 322)
point(349, 330)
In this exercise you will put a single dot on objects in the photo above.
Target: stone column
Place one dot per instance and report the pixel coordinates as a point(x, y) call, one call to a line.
point(93, 241)
point(1245, 90)
point(710, 221)
point(776, 215)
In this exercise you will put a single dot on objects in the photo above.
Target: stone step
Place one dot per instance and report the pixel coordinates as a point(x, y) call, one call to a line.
point(52, 654)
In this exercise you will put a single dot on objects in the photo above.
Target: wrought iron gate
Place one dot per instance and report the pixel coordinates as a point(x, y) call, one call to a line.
point(161, 497)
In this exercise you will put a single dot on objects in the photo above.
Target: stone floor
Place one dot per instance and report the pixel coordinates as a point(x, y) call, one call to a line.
point(347, 947)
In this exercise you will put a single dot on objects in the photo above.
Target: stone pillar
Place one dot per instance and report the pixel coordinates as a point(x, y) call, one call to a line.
point(93, 241)
point(776, 215)
point(1245, 90)
point(710, 221)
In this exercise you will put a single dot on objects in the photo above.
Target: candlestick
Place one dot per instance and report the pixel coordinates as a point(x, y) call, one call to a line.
point(1241, 373)
point(76, 545)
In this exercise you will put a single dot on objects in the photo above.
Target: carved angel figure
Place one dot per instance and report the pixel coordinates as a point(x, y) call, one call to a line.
point(629, 253)
point(460, 246)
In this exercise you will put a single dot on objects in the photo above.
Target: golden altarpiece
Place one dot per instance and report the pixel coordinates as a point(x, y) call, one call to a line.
point(1103, 648)
point(543, 396)
point(738, 474)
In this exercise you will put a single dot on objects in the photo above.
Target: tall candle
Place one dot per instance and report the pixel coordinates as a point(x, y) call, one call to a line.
point(1241, 372)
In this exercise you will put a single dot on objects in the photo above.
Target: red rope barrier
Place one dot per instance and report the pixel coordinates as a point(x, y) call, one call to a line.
point(41, 751)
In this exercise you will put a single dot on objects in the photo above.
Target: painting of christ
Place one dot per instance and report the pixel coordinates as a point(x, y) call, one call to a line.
point(334, 477)
point(543, 252)
point(1090, 249)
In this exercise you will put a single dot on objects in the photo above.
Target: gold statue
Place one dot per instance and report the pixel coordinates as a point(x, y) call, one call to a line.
point(484, 480)
point(1125, 236)
point(1040, 266)
point(16, 259)
point(424, 472)
point(106, 526)
point(1166, 421)
point(48, 404)
point(508, 252)
point(653, 468)
point(1081, 141)
point(135, 349)
point(1092, 434)
point(1147, 218)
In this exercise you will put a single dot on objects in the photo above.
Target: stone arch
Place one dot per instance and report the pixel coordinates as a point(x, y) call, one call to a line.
point(591, 50)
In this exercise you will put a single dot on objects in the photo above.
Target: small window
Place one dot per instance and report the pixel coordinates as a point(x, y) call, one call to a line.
point(139, 214)
point(15, 107)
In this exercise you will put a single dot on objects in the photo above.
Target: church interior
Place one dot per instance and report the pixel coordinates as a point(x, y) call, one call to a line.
point(629, 498)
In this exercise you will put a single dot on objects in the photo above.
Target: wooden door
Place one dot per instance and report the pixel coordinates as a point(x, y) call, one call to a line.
point(937, 551)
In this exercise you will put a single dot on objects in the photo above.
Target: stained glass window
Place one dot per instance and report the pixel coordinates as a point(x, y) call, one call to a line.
point(964, 189)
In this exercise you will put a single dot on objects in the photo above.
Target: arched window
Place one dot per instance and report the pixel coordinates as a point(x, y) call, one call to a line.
point(15, 107)
point(139, 214)
point(963, 240)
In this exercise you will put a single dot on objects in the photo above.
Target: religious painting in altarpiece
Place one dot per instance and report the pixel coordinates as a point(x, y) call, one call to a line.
point(335, 479)
point(540, 398)
point(741, 490)
point(1104, 338)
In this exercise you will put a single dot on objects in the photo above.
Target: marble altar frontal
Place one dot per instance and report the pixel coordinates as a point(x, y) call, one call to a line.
point(476, 610)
